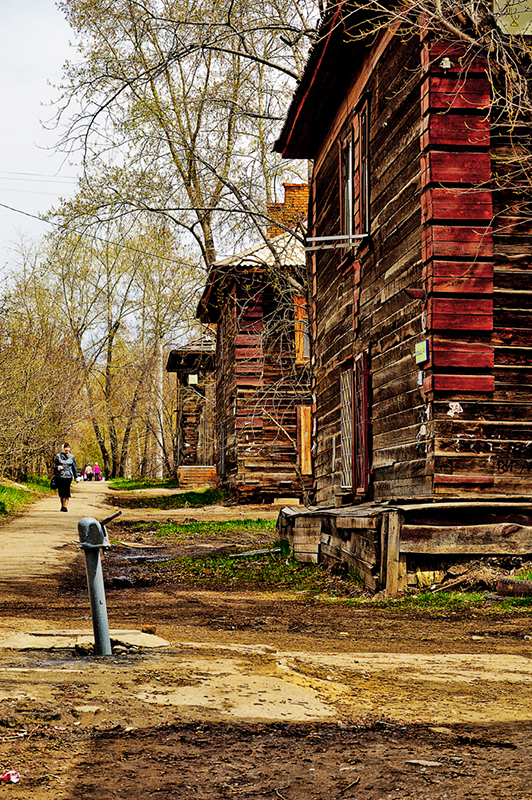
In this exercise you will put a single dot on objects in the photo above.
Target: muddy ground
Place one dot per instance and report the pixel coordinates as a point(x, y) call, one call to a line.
point(381, 704)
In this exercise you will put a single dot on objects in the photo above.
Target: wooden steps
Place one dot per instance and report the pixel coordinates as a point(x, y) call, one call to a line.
point(197, 476)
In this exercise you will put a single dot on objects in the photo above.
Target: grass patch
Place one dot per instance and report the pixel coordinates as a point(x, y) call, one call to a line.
point(207, 497)
point(198, 530)
point(261, 573)
point(523, 575)
point(38, 483)
point(442, 604)
point(13, 497)
point(130, 484)
point(267, 572)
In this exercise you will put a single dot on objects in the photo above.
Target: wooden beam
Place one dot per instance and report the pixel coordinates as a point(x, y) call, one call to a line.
point(392, 557)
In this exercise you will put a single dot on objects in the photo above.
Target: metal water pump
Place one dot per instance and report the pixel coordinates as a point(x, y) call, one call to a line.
point(93, 537)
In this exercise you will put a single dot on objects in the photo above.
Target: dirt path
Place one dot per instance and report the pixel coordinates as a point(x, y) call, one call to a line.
point(256, 694)
point(42, 539)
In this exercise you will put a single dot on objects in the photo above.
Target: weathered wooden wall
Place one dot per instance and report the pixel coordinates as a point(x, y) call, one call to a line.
point(258, 394)
point(447, 261)
point(388, 547)
point(359, 298)
point(477, 245)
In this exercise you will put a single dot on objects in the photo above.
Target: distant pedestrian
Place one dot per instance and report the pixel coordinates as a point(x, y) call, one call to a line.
point(65, 471)
point(97, 472)
point(88, 473)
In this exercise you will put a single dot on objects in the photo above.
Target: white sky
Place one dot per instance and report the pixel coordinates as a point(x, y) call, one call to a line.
point(34, 44)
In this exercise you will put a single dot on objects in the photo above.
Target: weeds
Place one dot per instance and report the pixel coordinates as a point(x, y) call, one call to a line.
point(206, 497)
point(198, 530)
point(265, 573)
point(12, 498)
point(129, 485)
point(442, 604)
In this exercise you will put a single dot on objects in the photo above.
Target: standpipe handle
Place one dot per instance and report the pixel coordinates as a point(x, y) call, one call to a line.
point(108, 519)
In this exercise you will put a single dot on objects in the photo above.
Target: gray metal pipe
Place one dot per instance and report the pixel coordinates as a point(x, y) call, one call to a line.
point(93, 537)
point(100, 623)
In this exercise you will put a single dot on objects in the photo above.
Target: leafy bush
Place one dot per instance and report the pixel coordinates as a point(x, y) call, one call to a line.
point(12, 498)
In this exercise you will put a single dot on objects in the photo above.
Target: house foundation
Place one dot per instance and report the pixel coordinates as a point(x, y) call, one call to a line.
point(391, 548)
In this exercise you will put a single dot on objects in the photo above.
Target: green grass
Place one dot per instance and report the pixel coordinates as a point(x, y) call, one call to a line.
point(38, 483)
point(130, 484)
point(207, 497)
point(198, 530)
point(263, 573)
point(443, 604)
point(524, 575)
point(12, 498)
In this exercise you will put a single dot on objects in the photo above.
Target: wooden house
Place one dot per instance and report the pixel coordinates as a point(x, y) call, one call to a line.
point(420, 307)
point(193, 365)
point(257, 299)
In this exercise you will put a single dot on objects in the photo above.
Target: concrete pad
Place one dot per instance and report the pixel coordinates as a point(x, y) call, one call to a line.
point(67, 640)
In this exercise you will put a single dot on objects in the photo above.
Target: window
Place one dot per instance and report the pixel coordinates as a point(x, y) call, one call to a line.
point(354, 177)
point(301, 331)
point(222, 443)
point(362, 422)
point(346, 428)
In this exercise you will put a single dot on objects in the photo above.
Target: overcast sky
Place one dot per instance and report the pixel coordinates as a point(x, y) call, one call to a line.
point(34, 45)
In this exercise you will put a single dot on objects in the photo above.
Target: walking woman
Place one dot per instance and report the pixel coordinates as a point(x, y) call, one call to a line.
point(65, 471)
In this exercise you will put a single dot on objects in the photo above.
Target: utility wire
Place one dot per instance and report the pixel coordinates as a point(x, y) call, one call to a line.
point(97, 238)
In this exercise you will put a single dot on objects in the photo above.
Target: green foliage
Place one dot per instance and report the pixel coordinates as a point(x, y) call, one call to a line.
point(284, 544)
point(207, 497)
point(38, 483)
point(129, 485)
point(524, 575)
point(445, 603)
point(262, 573)
point(198, 530)
point(12, 498)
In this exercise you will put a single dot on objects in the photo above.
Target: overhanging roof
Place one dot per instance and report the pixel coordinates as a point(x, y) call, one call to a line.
point(288, 253)
point(331, 66)
point(198, 351)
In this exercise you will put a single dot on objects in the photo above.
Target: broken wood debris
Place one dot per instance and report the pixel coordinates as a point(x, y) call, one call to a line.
point(266, 552)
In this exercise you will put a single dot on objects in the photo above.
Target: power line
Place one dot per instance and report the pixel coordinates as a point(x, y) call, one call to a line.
point(31, 191)
point(39, 175)
point(97, 238)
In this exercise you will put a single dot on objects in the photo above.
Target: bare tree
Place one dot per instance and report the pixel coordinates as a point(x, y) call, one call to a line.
point(176, 106)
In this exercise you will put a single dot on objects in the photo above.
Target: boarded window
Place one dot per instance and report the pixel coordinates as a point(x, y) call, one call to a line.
point(304, 439)
point(346, 427)
point(362, 438)
point(301, 330)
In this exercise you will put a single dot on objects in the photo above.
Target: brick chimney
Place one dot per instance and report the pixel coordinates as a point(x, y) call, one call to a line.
point(293, 210)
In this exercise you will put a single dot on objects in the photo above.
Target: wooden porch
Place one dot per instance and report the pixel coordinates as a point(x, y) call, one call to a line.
point(387, 545)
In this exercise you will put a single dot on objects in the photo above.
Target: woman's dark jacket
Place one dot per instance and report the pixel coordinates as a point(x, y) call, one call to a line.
point(68, 462)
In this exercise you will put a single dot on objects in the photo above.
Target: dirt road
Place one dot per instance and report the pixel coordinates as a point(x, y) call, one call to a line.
point(255, 694)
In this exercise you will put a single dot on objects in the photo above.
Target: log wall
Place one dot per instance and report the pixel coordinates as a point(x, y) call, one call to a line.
point(258, 394)
point(359, 298)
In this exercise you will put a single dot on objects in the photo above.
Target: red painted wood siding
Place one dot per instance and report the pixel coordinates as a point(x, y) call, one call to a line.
point(457, 213)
